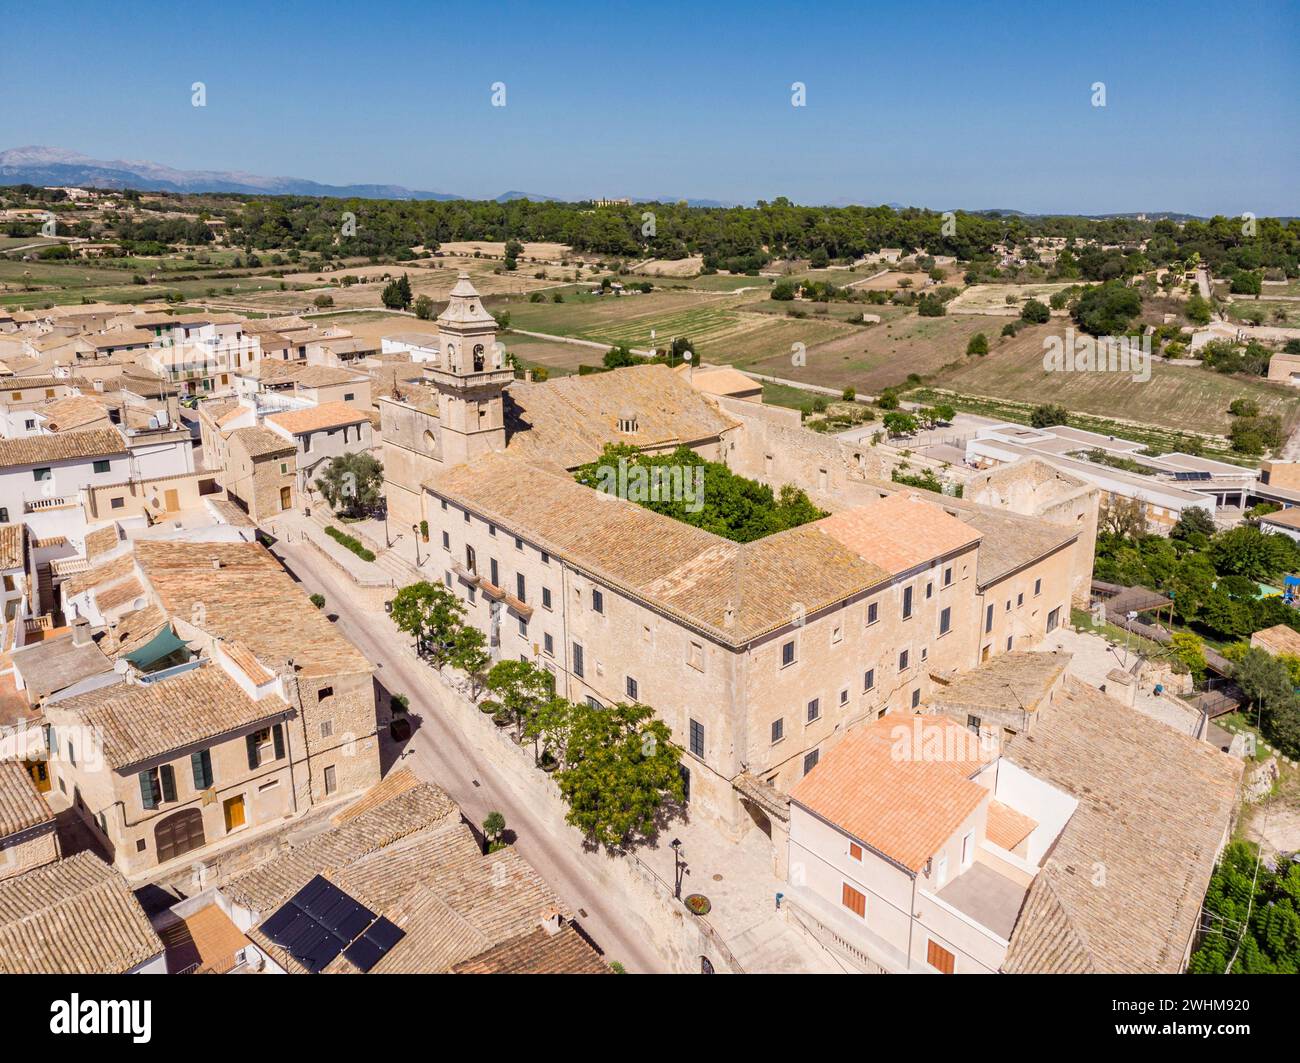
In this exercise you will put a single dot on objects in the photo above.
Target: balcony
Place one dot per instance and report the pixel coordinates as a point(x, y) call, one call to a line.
point(39, 505)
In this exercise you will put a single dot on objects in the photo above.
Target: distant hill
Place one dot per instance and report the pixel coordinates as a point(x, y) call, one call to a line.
point(55, 166)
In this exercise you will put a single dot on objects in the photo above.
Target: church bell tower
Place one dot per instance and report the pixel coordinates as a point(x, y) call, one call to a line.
point(471, 376)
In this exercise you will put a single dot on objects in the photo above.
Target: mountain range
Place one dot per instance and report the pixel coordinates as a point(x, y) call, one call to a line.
point(47, 166)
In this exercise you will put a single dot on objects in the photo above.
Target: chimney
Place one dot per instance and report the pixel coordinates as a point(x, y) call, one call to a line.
point(81, 631)
point(216, 562)
point(551, 921)
point(528, 376)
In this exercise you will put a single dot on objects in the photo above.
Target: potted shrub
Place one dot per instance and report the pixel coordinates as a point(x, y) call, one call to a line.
point(424, 530)
point(698, 903)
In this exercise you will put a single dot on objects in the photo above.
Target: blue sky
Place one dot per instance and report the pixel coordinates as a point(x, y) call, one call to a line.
point(940, 105)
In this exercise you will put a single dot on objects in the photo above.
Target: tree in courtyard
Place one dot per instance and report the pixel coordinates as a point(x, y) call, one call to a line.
point(352, 484)
point(620, 767)
point(432, 615)
point(1195, 520)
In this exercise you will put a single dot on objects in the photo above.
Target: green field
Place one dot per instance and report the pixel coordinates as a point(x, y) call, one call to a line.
point(1185, 398)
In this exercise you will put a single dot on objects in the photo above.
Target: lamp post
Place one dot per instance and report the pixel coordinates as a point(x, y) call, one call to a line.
point(415, 538)
point(679, 867)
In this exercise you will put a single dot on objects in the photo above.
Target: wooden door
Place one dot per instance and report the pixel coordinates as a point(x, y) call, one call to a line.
point(179, 834)
point(172, 499)
point(234, 809)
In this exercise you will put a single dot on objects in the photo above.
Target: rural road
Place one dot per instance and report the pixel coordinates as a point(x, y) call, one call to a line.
point(443, 755)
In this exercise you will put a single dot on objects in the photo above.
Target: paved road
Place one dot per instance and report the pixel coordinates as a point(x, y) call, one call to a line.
point(443, 755)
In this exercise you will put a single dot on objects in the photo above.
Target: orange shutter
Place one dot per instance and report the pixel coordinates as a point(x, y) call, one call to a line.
point(854, 901)
point(855, 851)
point(940, 958)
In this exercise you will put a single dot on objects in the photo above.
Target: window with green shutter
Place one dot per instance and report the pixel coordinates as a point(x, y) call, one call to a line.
point(201, 765)
point(277, 733)
point(149, 789)
point(253, 759)
point(168, 777)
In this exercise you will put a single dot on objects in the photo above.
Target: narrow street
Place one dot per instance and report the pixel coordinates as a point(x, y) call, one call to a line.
point(440, 753)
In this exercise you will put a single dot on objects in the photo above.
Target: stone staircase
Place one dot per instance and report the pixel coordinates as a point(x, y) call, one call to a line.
point(390, 562)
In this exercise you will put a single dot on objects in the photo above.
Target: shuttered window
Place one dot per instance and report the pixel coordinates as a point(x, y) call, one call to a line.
point(854, 901)
point(149, 789)
point(940, 958)
point(168, 777)
point(201, 765)
point(251, 742)
point(277, 735)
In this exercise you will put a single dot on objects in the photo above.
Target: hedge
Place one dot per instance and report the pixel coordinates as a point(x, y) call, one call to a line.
point(352, 544)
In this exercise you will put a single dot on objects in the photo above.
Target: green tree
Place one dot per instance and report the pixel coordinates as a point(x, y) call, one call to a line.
point(513, 250)
point(494, 827)
point(1035, 313)
point(424, 308)
point(352, 484)
point(468, 651)
point(620, 767)
point(432, 615)
point(1189, 650)
point(519, 688)
point(978, 344)
point(1252, 911)
point(898, 423)
point(1049, 414)
point(1195, 520)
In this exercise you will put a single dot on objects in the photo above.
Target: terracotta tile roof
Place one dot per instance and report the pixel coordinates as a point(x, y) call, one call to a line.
point(898, 533)
point(538, 953)
point(261, 442)
point(318, 418)
point(1278, 639)
point(74, 916)
point(901, 785)
point(101, 575)
point(71, 412)
point(54, 664)
point(1009, 541)
point(103, 541)
point(132, 630)
point(731, 591)
point(11, 545)
point(1154, 805)
point(722, 381)
point(31, 383)
point(119, 594)
point(63, 446)
point(567, 421)
point(207, 938)
point(265, 887)
point(21, 804)
point(1006, 827)
point(250, 598)
point(1023, 679)
point(228, 513)
point(244, 659)
point(138, 722)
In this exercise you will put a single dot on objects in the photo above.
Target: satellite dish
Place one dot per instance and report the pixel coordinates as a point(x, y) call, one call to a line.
point(687, 356)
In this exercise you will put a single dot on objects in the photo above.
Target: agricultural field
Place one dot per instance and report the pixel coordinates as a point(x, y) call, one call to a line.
point(991, 299)
point(672, 267)
point(1186, 398)
point(1277, 312)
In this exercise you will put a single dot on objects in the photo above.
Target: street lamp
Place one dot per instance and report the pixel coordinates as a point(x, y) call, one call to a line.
point(415, 538)
point(679, 867)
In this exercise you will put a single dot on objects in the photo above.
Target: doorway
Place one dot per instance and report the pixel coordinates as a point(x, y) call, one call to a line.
point(233, 807)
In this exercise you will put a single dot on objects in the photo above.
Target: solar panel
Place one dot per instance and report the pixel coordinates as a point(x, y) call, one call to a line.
point(373, 945)
point(317, 923)
point(1187, 476)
